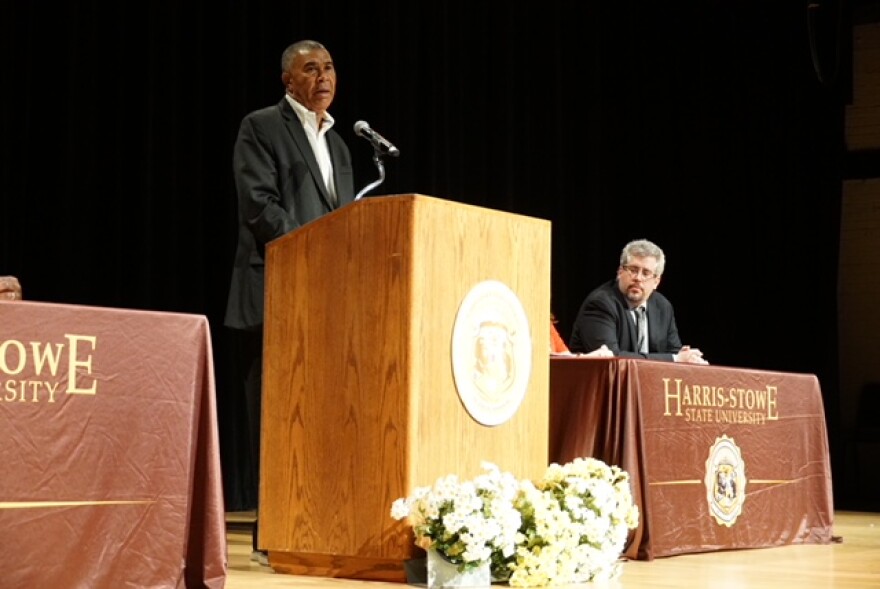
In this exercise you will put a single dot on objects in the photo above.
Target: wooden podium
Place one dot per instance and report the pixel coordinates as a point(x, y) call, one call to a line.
point(360, 403)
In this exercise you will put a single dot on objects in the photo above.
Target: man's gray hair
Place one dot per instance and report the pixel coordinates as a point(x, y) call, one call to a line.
point(641, 248)
point(299, 47)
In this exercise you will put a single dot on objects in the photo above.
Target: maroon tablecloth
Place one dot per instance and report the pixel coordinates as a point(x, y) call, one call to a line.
point(109, 449)
point(720, 458)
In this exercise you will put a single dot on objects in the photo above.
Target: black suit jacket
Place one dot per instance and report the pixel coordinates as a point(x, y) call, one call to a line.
point(604, 318)
point(279, 188)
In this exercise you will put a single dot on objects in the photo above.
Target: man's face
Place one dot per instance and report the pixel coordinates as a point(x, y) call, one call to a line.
point(638, 279)
point(311, 80)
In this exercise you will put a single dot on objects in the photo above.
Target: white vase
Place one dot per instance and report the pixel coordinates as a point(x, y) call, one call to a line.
point(442, 573)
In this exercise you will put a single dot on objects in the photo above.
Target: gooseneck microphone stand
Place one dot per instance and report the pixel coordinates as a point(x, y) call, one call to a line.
point(377, 159)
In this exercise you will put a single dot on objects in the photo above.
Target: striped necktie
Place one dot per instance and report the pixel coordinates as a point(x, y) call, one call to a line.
point(642, 327)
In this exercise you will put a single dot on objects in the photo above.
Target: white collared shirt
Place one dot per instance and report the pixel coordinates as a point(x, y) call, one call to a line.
point(318, 140)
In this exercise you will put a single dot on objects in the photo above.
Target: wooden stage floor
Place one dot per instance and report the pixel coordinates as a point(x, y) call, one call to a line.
point(854, 563)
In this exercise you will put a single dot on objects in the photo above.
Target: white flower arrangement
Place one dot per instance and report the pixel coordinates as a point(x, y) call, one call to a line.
point(570, 527)
point(470, 522)
point(576, 521)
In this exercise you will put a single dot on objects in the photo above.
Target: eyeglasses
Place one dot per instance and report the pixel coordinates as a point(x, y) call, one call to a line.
point(637, 272)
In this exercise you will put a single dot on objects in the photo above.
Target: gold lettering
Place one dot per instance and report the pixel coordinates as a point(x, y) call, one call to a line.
point(674, 396)
point(772, 410)
point(74, 362)
point(17, 390)
point(706, 403)
point(10, 391)
point(41, 359)
point(47, 359)
point(53, 387)
point(697, 396)
point(735, 398)
point(707, 396)
point(35, 389)
point(686, 396)
point(699, 415)
point(22, 356)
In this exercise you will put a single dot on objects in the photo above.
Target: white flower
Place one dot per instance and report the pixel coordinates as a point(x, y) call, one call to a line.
point(568, 528)
point(576, 522)
point(469, 522)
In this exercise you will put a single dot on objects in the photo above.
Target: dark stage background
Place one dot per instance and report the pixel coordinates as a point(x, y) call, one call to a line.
point(713, 128)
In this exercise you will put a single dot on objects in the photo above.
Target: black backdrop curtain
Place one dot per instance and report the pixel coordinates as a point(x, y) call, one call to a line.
point(703, 126)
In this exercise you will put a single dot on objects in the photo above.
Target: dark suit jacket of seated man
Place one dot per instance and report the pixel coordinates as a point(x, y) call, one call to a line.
point(608, 314)
point(604, 318)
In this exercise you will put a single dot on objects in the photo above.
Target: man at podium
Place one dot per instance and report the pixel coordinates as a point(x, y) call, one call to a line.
point(290, 167)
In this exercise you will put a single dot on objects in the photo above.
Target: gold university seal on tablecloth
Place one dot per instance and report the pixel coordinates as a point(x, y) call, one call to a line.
point(491, 352)
point(725, 481)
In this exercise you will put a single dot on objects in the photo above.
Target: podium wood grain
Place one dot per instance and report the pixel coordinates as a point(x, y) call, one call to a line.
point(360, 404)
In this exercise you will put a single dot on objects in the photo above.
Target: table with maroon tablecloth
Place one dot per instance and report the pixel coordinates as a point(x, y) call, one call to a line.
point(109, 448)
point(719, 457)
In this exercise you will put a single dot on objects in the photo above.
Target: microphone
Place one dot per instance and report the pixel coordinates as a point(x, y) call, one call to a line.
point(381, 144)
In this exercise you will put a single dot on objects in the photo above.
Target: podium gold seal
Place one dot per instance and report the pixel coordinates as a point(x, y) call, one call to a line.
point(491, 352)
